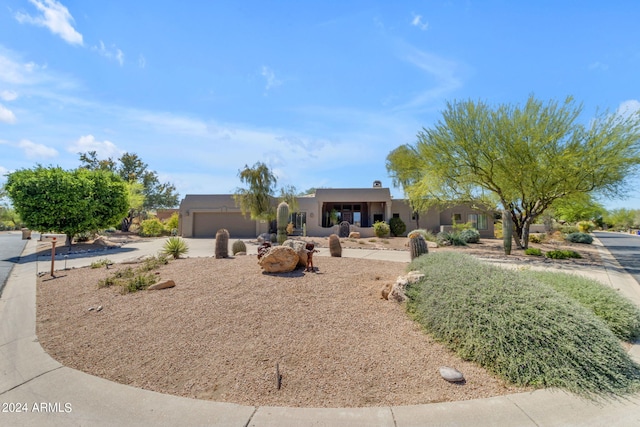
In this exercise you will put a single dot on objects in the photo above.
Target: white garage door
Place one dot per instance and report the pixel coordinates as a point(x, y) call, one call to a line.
point(206, 224)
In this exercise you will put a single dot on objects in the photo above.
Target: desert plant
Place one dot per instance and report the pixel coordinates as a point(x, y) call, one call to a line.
point(152, 263)
point(568, 229)
point(427, 234)
point(586, 226)
point(620, 314)
point(537, 238)
point(397, 227)
point(173, 222)
point(101, 263)
point(507, 231)
point(238, 246)
point(335, 249)
point(381, 229)
point(417, 246)
point(222, 243)
point(470, 235)
point(151, 227)
point(518, 327)
point(562, 254)
point(175, 247)
point(579, 238)
point(290, 228)
point(533, 251)
point(446, 238)
point(282, 221)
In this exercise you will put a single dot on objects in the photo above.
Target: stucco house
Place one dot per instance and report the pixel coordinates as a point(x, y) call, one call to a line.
point(321, 212)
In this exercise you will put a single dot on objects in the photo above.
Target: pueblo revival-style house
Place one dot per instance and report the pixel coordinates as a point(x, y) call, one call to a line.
point(322, 212)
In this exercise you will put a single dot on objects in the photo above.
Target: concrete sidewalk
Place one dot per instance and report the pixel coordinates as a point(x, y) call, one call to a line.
point(36, 390)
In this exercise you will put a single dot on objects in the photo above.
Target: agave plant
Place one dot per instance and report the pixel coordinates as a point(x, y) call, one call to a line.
point(175, 247)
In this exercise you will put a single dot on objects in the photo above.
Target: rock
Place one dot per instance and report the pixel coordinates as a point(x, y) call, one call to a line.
point(397, 291)
point(99, 308)
point(279, 259)
point(162, 285)
point(240, 253)
point(354, 235)
point(432, 245)
point(300, 247)
point(451, 374)
point(103, 241)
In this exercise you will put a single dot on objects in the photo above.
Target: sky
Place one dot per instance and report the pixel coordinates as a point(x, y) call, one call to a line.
point(320, 91)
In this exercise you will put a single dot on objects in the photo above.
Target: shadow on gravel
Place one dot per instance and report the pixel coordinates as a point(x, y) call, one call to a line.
point(64, 252)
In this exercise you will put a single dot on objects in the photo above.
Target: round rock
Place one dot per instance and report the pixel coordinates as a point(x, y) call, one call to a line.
point(451, 374)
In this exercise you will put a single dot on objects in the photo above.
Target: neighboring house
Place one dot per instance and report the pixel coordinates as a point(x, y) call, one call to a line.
point(203, 215)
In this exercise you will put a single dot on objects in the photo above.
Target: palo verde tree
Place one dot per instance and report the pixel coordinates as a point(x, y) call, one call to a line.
point(69, 202)
point(147, 192)
point(527, 156)
point(255, 200)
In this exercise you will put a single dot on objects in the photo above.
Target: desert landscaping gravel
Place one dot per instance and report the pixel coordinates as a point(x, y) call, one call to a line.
point(221, 331)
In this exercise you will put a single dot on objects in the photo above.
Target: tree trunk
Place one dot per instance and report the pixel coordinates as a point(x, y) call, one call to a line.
point(69, 240)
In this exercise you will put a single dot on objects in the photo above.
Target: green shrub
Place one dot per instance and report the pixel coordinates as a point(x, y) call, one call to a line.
point(397, 226)
point(154, 262)
point(175, 247)
point(533, 251)
point(470, 235)
point(450, 238)
point(101, 263)
point(173, 222)
point(151, 227)
point(517, 327)
point(579, 238)
point(84, 236)
point(381, 229)
point(537, 238)
point(562, 254)
point(586, 226)
point(138, 282)
point(568, 229)
point(620, 315)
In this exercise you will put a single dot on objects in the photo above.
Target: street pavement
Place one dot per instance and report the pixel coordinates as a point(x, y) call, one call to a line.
point(625, 248)
point(36, 390)
point(11, 246)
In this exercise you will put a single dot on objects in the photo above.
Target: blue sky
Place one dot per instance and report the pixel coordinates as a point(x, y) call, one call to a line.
point(319, 91)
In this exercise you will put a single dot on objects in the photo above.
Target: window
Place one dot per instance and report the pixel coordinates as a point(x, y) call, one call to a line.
point(396, 215)
point(457, 218)
point(298, 219)
point(478, 221)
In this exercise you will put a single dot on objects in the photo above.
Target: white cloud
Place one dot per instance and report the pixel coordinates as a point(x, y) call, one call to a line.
point(55, 17)
point(270, 77)
point(629, 107)
point(418, 22)
point(8, 95)
point(104, 149)
point(112, 53)
point(36, 151)
point(7, 115)
point(142, 61)
point(444, 72)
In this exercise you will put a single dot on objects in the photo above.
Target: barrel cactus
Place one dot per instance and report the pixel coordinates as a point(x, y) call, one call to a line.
point(417, 245)
point(335, 249)
point(238, 246)
point(507, 231)
point(282, 221)
point(222, 243)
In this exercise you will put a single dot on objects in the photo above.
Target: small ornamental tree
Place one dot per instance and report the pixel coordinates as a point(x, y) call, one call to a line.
point(524, 157)
point(68, 202)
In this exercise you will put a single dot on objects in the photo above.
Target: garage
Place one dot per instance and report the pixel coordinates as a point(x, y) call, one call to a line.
point(206, 224)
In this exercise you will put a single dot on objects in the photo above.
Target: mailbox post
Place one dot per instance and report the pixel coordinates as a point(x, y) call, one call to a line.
point(53, 254)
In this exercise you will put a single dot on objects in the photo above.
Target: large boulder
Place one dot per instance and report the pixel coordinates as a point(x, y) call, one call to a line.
point(279, 259)
point(300, 247)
